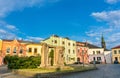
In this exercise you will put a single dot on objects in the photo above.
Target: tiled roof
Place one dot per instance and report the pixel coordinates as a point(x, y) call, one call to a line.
point(116, 47)
point(107, 50)
point(92, 46)
point(21, 41)
point(89, 45)
point(6, 40)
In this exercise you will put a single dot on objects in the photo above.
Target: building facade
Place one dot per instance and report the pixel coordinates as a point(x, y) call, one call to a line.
point(33, 49)
point(107, 53)
point(12, 47)
point(108, 56)
point(1, 57)
point(116, 53)
point(96, 53)
point(82, 52)
point(69, 45)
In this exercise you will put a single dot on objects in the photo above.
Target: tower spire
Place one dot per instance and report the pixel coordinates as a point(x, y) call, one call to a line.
point(103, 44)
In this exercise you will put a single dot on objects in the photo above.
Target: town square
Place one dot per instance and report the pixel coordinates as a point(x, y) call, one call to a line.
point(60, 39)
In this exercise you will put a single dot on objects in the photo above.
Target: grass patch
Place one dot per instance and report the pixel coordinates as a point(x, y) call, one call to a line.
point(52, 70)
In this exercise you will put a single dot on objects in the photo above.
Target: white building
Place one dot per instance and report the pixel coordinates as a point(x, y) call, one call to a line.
point(96, 53)
point(108, 56)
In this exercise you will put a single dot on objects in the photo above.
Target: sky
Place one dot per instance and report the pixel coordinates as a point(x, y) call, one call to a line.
point(80, 20)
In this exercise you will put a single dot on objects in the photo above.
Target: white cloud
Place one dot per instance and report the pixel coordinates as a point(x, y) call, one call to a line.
point(110, 30)
point(2, 31)
point(37, 39)
point(9, 31)
point(112, 18)
point(7, 6)
point(12, 27)
point(112, 1)
point(92, 33)
point(6, 35)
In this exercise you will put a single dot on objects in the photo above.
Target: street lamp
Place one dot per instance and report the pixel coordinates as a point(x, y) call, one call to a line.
point(83, 57)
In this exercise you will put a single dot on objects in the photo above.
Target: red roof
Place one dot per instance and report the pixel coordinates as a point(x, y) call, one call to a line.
point(116, 47)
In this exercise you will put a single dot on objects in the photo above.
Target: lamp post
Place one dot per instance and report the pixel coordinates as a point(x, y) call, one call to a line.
point(83, 57)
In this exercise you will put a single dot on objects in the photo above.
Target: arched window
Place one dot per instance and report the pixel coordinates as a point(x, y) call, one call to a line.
point(8, 50)
point(15, 50)
point(21, 50)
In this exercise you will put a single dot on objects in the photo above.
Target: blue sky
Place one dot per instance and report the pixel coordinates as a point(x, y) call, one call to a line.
point(80, 20)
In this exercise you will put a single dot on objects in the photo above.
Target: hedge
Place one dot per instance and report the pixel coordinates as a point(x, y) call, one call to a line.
point(15, 62)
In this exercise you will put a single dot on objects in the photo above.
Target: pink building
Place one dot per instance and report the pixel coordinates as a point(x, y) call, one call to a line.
point(82, 52)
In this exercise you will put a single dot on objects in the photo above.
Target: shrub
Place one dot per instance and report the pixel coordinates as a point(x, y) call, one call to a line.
point(15, 62)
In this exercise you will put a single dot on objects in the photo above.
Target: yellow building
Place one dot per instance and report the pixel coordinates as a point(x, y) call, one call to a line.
point(33, 49)
point(116, 53)
point(69, 45)
point(0, 45)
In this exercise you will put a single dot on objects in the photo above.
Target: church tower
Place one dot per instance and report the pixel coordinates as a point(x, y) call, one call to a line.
point(103, 44)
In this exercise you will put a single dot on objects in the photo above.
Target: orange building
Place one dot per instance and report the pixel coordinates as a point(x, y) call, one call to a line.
point(12, 47)
point(82, 52)
point(1, 52)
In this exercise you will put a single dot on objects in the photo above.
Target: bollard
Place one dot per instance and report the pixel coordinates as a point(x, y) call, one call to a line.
point(94, 63)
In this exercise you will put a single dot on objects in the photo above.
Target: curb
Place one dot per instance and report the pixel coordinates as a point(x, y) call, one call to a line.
point(52, 75)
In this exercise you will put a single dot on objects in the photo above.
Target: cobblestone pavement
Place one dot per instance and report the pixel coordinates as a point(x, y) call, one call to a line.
point(104, 71)
point(5, 73)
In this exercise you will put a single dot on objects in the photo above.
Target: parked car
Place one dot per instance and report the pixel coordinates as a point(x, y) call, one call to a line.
point(116, 62)
point(96, 62)
point(78, 63)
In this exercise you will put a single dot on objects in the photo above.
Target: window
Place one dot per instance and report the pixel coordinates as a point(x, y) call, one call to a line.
point(69, 51)
point(73, 51)
point(78, 50)
point(93, 52)
point(115, 52)
point(52, 41)
point(98, 58)
point(30, 50)
point(55, 41)
point(73, 58)
point(69, 58)
point(119, 51)
point(21, 51)
point(98, 52)
point(63, 42)
point(78, 59)
point(35, 50)
point(8, 50)
point(116, 58)
point(68, 44)
point(93, 58)
point(82, 52)
point(15, 50)
point(73, 44)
